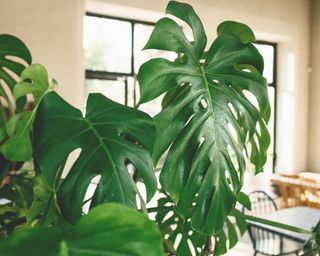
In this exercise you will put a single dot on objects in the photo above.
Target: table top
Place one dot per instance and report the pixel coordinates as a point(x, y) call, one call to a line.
point(301, 217)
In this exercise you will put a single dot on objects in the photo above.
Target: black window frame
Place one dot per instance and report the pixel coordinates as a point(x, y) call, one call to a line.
point(114, 76)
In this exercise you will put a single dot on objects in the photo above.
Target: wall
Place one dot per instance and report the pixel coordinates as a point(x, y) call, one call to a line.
point(52, 30)
point(285, 22)
point(314, 116)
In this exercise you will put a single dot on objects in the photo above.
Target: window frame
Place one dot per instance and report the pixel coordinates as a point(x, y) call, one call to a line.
point(274, 85)
point(107, 75)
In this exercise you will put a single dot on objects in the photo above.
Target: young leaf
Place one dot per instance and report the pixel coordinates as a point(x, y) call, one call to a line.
point(18, 147)
point(235, 28)
point(110, 136)
point(207, 126)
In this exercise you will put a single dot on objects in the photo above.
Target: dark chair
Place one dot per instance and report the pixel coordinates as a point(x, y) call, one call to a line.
point(266, 242)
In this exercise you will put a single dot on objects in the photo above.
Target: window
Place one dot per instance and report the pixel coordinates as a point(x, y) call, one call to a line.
point(269, 54)
point(113, 56)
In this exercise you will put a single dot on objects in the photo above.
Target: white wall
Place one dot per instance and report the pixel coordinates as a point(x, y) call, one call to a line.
point(314, 115)
point(285, 22)
point(52, 30)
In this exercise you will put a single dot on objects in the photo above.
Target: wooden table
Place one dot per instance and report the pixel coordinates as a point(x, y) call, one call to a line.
point(297, 190)
point(301, 217)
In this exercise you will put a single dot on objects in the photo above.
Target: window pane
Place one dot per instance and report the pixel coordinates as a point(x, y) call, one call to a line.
point(141, 35)
point(107, 44)
point(267, 52)
point(114, 90)
point(268, 168)
point(152, 107)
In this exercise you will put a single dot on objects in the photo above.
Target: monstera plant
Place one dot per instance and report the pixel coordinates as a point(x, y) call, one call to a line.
point(207, 133)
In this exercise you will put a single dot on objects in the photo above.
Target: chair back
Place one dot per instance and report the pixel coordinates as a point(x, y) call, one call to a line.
point(263, 241)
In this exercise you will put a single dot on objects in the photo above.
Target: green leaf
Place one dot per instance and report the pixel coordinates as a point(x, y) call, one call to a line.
point(11, 46)
point(209, 119)
point(38, 241)
point(109, 229)
point(43, 206)
point(312, 246)
point(110, 136)
point(176, 231)
point(115, 230)
point(18, 147)
point(244, 199)
point(240, 30)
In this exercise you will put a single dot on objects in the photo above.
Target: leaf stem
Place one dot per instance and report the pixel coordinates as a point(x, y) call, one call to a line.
point(277, 224)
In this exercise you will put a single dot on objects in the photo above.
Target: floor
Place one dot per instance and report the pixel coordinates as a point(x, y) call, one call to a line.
point(243, 247)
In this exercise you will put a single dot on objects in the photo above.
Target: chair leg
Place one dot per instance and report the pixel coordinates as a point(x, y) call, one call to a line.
point(255, 253)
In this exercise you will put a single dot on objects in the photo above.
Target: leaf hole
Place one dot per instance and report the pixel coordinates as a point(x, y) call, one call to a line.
point(177, 241)
point(233, 132)
point(8, 92)
point(89, 193)
point(16, 59)
point(251, 98)
point(141, 197)
point(130, 167)
point(233, 157)
point(168, 216)
point(191, 247)
point(11, 73)
point(202, 139)
point(72, 158)
point(215, 81)
point(233, 111)
point(174, 226)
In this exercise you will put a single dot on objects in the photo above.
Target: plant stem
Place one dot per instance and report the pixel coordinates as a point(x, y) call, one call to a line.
point(277, 224)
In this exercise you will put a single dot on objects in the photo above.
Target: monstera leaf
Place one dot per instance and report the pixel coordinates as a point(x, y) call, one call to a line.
point(109, 229)
point(110, 137)
point(181, 239)
point(33, 80)
point(215, 109)
point(11, 46)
